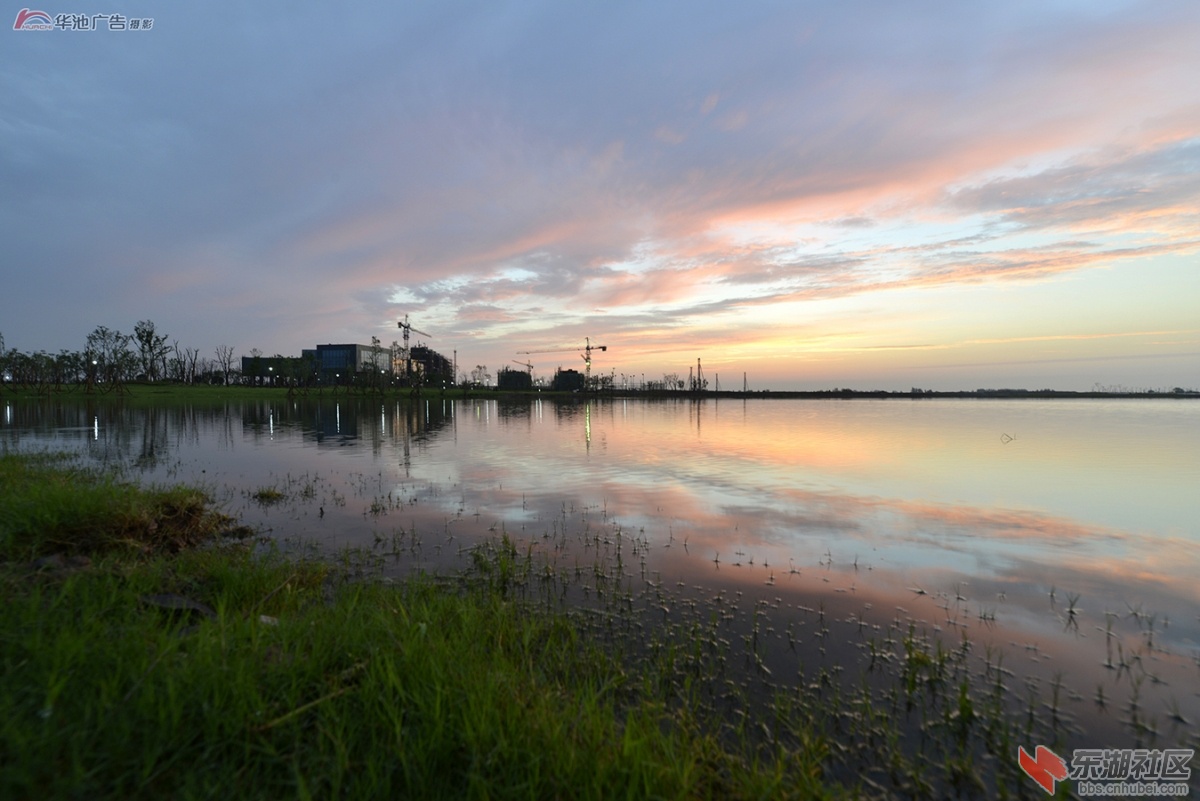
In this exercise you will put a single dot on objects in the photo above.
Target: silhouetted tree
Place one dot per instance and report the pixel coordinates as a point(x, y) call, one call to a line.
point(225, 360)
point(480, 376)
point(109, 356)
point(152, 349)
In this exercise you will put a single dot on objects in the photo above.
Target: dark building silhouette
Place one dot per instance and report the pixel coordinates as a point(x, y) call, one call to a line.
point(513, 379)
point(567, 381)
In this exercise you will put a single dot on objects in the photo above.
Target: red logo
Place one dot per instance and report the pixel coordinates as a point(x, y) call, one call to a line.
point(1047, 768)
point(31, 20)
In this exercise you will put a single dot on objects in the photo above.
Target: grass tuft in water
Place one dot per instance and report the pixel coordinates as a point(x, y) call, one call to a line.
point(269, 496)
point(54, 505)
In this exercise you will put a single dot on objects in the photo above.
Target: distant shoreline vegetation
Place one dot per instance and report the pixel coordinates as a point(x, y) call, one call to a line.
point(176, 391)
point(146, 362)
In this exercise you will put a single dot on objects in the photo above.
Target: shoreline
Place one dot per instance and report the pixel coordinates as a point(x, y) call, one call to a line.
point(160, 392)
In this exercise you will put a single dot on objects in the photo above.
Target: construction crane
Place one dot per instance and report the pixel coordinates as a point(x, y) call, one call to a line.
point(588, 347)
point(406, 327)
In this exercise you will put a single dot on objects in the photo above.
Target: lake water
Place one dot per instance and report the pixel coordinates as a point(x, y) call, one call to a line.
point(1062, 532)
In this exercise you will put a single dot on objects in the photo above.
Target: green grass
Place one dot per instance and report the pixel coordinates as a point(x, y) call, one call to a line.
point(419, 689)
point(173, 663)
point(51, 504)
point(161, 671)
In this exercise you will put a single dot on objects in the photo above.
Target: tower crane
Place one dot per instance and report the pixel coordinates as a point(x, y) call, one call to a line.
point(406, 327)
point(588, 347)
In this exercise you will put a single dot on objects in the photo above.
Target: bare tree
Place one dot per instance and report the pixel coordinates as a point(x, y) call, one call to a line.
point(183, 363)
point(205, 369)
point(480, 375)
point(176, 368)
point(189, 356)
point(225, 360)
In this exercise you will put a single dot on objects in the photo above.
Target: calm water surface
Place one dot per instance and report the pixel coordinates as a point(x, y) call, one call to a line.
point(1055, 530)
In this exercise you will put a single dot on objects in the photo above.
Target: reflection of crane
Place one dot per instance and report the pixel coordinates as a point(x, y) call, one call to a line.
point(406, 326)
point(588, 347)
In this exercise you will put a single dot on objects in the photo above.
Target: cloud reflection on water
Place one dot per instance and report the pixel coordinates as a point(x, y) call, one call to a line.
point(882, 509)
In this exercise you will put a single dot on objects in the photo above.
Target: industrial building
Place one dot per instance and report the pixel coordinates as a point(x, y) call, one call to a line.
point(349, 363)
point(332, 360)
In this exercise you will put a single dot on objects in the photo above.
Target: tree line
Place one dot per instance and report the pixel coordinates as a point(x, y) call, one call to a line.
point(110, 358)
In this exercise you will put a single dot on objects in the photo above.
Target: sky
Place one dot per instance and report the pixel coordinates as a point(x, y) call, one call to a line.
point(802, 195)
